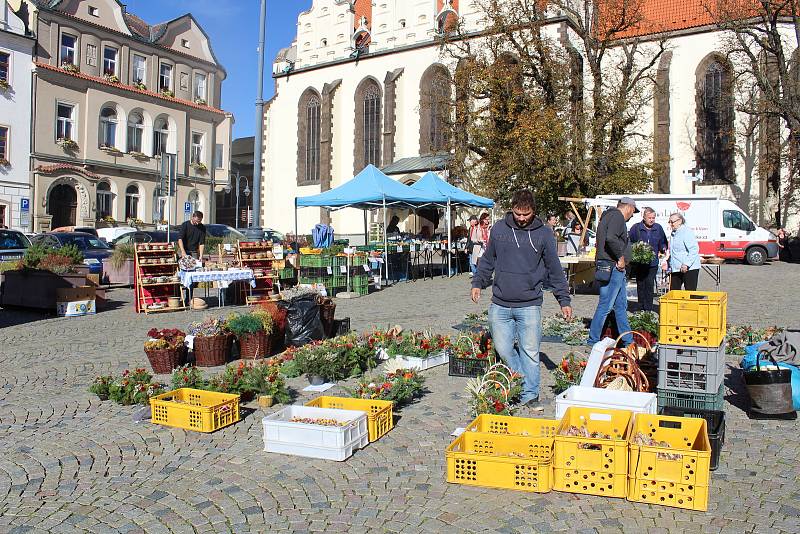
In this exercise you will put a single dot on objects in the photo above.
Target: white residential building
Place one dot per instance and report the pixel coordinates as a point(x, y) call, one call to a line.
point(16, 50)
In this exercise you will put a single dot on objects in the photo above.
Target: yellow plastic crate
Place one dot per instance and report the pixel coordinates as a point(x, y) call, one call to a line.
point(380, 419)
point(499, 461)
point(693, 318)
point(676, 476)
point(594, 466)
point(517, 426)
point(195, 409)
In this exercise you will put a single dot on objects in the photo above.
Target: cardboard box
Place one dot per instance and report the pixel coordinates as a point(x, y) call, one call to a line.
point(75, 294)
point(76, 308)
point(93, 279)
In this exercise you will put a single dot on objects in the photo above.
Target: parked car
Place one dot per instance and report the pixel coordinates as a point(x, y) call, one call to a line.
point(82, 229)
point(259, 233)
point(148, 236)
point(111, 234)
point(92, 247)
point(225, 232)
point(12, 245)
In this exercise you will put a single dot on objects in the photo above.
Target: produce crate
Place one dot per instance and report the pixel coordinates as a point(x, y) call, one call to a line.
point(314, 271)
point(287, 273)
point(693, 318)
point(380, 419)
point(694, 401)
point(337, 261)
point(468, 367)
point(693, 369)
point(358, 260)
point(592, 466)
point(315, 280)
point(338, 281)
point(607, 399)
point(316, 441)
point(541, 431)
point(498, 461)
point(671, 476)
point(715, 422)
point(195, 409)
point(314, 260)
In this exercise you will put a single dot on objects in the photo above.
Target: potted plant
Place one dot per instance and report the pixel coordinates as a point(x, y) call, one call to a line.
point(495, 392)
point(100, 386)
point(266, 381)
point(139, 155)
point(471, 355)
point(320, 366)
point(642, 253)
point(70, 67)
point(67, 144)
point(34, 281)
point(167, 93)
point(569, 372)
point(200, 167)
point(398, 385)
point(249, 330)
point(118, 268)
point(111, 77)
point(646, 323)
point(211, 342)
point(133, 388)
point(165, 349)
point(200, 101)
point(188, 376)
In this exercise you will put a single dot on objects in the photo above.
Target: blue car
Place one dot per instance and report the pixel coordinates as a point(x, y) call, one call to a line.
point(92, 247)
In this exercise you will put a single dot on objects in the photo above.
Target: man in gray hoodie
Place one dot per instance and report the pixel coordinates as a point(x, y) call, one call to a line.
point(522, 256)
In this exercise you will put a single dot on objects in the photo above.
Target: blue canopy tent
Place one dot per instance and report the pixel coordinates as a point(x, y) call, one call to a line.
point(369, 189)
point(433, 186)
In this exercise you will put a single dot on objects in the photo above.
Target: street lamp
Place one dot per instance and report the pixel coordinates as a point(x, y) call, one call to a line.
point(246, 192)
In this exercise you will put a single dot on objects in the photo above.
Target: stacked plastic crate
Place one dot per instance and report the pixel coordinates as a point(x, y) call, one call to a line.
point(691, 359)
point(315, 269)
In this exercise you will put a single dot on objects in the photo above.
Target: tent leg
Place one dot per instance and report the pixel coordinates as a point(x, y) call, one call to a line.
point(385, 243)
point(449, 241)
point(296, 237)
point(366, 236)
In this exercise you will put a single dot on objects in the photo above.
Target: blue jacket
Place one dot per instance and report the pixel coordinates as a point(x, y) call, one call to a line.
point(684, 250)
point(655, 237)
point(522, 259)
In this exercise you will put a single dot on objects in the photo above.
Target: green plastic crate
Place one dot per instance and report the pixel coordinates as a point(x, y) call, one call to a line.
point(314, 260)
point(286, 273)
point(339, 260)
point(358, 260)
point(314, 280)
point(338, 281)
point(693, 401)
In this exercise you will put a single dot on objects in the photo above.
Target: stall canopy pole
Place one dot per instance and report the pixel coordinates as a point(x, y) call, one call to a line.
point(366, 236)
point(385, 242)
point(449, 241)
point(296, 237)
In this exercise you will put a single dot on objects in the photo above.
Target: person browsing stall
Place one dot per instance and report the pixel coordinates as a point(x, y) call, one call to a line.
point(192, 236)
point(684, 255)
point(650, 232)
point(522, 256)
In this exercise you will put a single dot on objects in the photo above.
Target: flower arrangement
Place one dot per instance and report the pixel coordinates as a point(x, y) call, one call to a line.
point(108, 219)
point(200, 167)
point(242, 324)
point(167, 338)
point(646, 323)
point(138, 155)
point(188, 376)
point(571, 332)
point(58, 261)
point(569, 372)
point(111, 77)
point(111, 149)
point(415, 344)
point(4, 84)
point(70, 67)
point(476, 321)
point(200, 101)
point(476, 346)
point(245, 379)
point(134, 221)
point(66, 143)
point(642, 252)
point(333, 359)
point(4, 162)
point(100, 386)
point(167, 93)
point(140, 86)
point(133, 387)
point(496, 392)
point(400, 386)
point(267, 321)
point(208, 327)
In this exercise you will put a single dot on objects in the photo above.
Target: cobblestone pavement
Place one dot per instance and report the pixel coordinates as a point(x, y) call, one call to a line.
point(71, 463)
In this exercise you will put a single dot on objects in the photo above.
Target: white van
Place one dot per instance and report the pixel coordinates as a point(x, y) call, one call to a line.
point(721, 227)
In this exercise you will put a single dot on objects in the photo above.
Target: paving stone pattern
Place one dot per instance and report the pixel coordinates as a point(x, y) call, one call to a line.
point(71, 463)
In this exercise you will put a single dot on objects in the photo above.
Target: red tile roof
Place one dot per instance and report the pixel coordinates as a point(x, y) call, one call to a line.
point(50, 169)
point(103, 81)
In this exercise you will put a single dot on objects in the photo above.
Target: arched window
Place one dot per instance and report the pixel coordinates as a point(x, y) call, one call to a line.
point(308, 138)
point(435, 96)
point(159, 207)
point(368, 132)
point(135, 132)
point(103, 207)
point(108, 128)
point(715, 118)
point(160, 136)
point(132, 202)
point(195, 201)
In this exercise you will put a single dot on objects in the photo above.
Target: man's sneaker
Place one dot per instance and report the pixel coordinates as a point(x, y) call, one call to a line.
point(534, 405)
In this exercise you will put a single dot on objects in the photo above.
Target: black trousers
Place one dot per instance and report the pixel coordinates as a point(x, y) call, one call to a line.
point(645, 285)
point(688, 280)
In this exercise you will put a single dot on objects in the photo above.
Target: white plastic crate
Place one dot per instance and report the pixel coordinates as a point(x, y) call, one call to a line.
point(421, 364)
point(338, 454)
point(278, 428)
point(586, 397)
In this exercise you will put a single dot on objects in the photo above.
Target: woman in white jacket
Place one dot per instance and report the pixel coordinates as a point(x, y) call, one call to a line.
point(684, 255)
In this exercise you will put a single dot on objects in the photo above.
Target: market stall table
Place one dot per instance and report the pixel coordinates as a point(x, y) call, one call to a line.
point(222, 278)
point(714, 270)
point(580, 270)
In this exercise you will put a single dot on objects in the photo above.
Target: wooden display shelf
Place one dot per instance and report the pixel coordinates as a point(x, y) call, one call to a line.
point(165, 309)
point(158, 264)
point(148, 284)
point(143, 300)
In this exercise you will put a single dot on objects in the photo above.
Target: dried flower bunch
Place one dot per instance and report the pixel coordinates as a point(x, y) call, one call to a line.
point(167, 338)
point(569, 372)
point(208, 327)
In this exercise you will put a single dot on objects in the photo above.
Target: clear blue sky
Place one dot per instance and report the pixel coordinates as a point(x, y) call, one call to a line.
point(232, 26)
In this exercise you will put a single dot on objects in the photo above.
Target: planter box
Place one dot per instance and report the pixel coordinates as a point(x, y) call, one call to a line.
point(421, 364)
point(124, 276)
point(37, 289)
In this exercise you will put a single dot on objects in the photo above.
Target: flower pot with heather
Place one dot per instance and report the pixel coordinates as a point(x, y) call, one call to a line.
point(165, 349)
point(252, 330)
point(212, 343)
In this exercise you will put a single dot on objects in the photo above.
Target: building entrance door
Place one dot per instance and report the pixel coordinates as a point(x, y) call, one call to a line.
point(63, 205)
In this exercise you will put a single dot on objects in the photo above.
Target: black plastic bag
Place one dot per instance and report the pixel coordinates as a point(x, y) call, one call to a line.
point(770, 391)
point(303, 323)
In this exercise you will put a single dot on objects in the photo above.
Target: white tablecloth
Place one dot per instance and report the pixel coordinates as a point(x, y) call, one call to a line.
point(223, 278)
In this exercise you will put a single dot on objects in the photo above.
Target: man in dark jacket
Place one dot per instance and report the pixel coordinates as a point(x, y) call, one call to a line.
point(522, 255)
point(650, 232)
point(613, 248)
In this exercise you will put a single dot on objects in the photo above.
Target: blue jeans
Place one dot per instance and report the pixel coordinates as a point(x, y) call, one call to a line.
point(612, 297)
point(523, 325)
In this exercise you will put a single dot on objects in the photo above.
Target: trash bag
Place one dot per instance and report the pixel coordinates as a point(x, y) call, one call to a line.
point(303, 324)
point(749, 362)
point(770, 390)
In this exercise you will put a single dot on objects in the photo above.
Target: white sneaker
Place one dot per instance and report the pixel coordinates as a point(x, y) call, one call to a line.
point(470, 274)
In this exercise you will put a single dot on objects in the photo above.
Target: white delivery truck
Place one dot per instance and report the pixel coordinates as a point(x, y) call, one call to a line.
point(721, 227)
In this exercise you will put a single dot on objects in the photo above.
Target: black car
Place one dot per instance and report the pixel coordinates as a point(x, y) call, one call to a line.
point(259, 233)
point(12, 245)
point(225, 232)
point(93, 248)
point(158, 236)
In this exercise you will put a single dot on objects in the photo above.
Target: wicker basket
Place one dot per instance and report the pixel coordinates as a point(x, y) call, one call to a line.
point(253, 346)
point(211, 351)
point(163, 361)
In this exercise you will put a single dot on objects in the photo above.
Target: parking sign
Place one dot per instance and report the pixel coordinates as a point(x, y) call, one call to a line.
point(187, 207)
